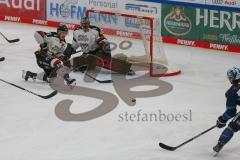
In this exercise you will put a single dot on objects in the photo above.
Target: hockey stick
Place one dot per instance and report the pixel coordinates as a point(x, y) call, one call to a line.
point(2, 59)
point(10, 41)
point(99, 81)
point(164, 146)
point(44, 97)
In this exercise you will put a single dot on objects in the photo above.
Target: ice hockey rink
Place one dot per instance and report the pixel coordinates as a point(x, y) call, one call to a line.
point(31, 130)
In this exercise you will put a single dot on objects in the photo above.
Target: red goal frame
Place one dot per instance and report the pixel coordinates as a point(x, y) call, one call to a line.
point(151, 19)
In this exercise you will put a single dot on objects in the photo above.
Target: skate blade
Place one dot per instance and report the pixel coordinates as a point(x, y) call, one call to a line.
point(215, 154)
point(71, 86)
point(23, 74)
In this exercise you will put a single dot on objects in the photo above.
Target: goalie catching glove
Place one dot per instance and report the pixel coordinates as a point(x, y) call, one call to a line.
point(104, 45)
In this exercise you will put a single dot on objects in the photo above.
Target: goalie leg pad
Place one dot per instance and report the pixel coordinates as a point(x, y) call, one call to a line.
point(114, 64)
point(85, 60)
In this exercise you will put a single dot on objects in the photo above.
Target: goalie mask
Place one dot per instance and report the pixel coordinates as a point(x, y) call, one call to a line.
point(85, 22)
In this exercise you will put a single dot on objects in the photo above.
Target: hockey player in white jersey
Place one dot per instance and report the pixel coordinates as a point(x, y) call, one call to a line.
point(92, 41)
point(53, 51)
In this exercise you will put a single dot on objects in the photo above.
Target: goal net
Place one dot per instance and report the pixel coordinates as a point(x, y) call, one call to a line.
point(136, 39)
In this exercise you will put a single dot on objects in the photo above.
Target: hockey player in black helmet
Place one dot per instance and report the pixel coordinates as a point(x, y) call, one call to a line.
point(53, 51)
point(62, 32)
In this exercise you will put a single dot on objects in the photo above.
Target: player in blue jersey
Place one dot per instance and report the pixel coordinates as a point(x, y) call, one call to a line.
point(233, 100)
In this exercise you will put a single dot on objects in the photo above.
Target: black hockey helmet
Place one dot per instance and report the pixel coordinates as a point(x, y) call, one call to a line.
point(62, 28)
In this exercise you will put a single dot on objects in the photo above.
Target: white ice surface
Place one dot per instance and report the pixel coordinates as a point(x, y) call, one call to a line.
point(29, 128)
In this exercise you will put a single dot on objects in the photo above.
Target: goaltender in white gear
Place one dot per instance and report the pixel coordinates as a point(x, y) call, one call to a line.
point(86, 40)
point(89, 38)
point(91, 41)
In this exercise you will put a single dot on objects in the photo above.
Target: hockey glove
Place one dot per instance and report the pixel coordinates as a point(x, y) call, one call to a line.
point(56, 63)
point(221, 122)
point(105, 46)
point(68, 52)
point(43, 47)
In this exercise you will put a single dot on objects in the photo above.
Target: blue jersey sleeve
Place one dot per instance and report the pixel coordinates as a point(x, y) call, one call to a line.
point(233, 99)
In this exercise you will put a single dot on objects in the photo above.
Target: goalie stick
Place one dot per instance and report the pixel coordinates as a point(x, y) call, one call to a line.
point(99, 81)
point(10, 41)
point(170, 148)
point(2, 59)
point(44, 97)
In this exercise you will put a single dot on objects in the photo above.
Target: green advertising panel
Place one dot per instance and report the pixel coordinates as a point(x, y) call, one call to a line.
point(201, 24)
